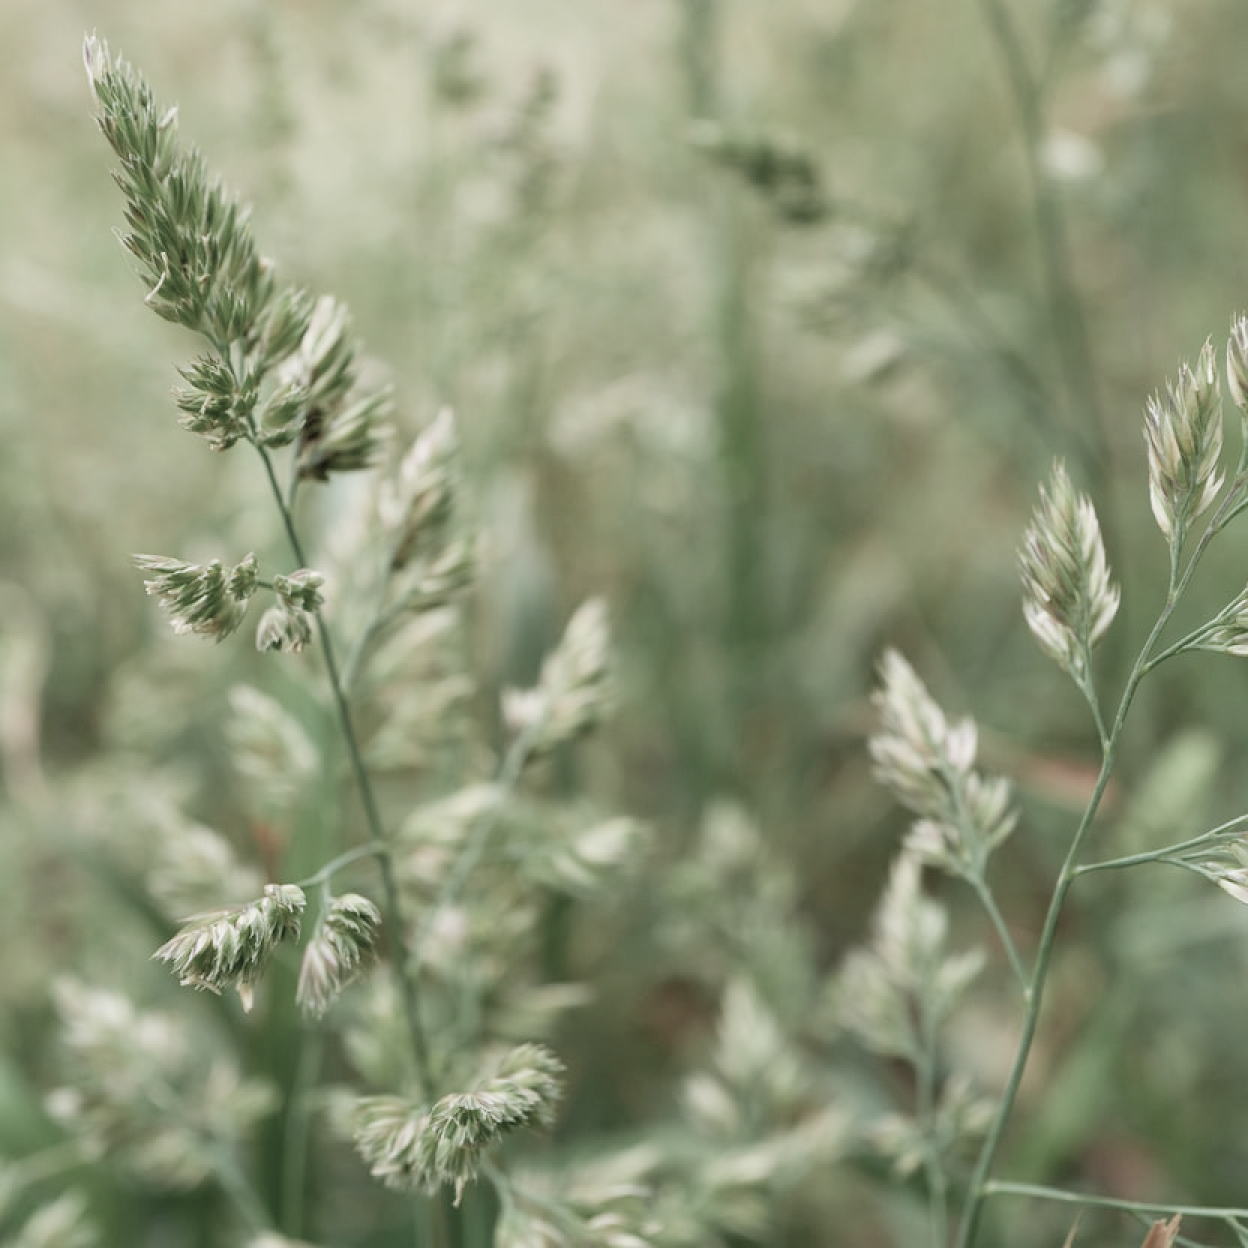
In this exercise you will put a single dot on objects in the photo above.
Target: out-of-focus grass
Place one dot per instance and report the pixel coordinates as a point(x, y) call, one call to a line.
point(773, 447)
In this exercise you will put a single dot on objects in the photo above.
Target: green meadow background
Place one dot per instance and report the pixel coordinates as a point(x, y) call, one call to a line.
point(761, 320)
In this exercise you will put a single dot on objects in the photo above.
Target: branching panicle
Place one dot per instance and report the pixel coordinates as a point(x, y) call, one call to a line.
point(410, 1146)
point(232, 948)
point(287, 626)
point(203, 599)
point(301, 590)
point(283, 630)
point(284, 367)
point(895, 996)
point(215, 406)
point(776, 166)
point(960, 1115)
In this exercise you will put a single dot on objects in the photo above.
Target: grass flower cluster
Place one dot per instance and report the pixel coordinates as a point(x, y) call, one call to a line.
point(447, 994)
point(281, 376)
point(900, 992)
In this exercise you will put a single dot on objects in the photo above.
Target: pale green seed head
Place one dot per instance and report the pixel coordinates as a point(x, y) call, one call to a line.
point(1183, 431)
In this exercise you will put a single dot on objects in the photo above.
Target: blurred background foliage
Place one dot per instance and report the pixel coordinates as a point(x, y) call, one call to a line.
point(759, 320)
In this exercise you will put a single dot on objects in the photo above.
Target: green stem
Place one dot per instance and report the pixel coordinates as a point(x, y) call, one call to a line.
point(1232, 506)
point(508, 1191)
point(298, 1122)
point(975, 875)
point(225, 1168)
point(404, 978)
point(989, 902)
point(1180, 578)
point(331, 868)
point(1231, 832)
point(700, 53)
point(1190, 642)
point(234, 1184)
point(925, 1106)
point(1035, 992)
point(1036, 1191)
point(1088, 689)
point(1033, 996)
point(1065, 309)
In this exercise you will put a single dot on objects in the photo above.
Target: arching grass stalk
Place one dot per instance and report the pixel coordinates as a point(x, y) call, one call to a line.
point(445, 1223)
point(928, 761)
point(1064, 573)
point(279, 371)
point(399, 960)
point(1034, 995)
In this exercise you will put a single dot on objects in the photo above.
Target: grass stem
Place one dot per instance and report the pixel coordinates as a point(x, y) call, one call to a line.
point(399, 961)
point(298, 1122)
point(1035, 1191)
point(1180, 577)
point(1066, 315)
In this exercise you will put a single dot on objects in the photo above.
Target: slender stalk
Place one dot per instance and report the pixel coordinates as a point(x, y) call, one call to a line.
point(1033, 996)
point(1035, 992)
point(404, 972)
point(298, 1121)
point(234, 1184)
point(331, 868)
point(225, 1168)
point(1036, 1191)
point(399, 962)
point(925, 1106)
point(1230, 831)
point(983, 329)
point(1088, 690)
point(1190, 642)
point(989, 902)
point(974, 876)
point(1180, 577)
point(1065, 308)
